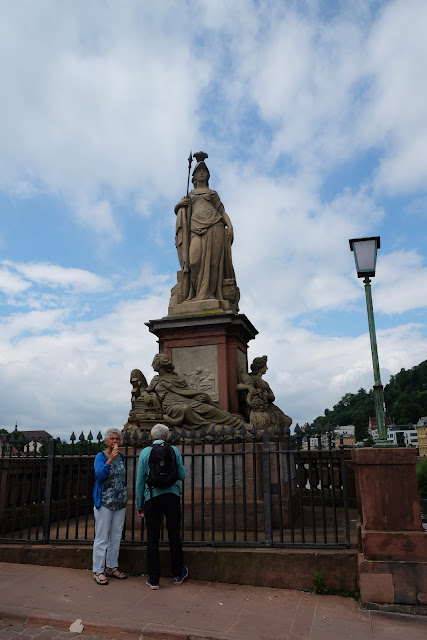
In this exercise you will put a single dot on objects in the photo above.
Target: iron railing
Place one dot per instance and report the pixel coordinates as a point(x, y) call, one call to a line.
point(239, 490)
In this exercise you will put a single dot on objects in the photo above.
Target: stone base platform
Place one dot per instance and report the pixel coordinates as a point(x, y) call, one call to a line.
point(282, 568)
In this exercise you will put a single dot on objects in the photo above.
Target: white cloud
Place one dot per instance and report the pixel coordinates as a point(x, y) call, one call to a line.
point(88, 102)
point(77, 377)
point(309, 373)
point(11, 283)
point(52, 275)
point(396, 112)
point(19, 325)
point(99, 217)
point(402, 282)
point(292, 247)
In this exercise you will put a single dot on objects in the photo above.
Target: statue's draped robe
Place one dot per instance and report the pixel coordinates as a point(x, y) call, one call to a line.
point(185, 405)
point(203, 218)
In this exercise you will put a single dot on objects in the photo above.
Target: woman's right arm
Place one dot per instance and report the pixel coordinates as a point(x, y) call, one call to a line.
point(184, 202)
point(102, 468)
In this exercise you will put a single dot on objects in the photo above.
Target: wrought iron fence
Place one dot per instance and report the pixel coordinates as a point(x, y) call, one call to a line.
point(239, 490)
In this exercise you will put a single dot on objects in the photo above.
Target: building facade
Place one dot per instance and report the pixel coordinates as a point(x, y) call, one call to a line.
point(422, 436)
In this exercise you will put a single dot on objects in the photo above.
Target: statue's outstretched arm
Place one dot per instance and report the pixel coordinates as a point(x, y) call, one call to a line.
point(243, 387)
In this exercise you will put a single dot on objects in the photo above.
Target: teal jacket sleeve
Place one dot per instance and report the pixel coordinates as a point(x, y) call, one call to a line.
point(179, 464)
point(141, 478)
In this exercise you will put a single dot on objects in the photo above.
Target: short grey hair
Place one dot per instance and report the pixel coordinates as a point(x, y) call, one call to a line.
point(159, 432)
point(110, 432)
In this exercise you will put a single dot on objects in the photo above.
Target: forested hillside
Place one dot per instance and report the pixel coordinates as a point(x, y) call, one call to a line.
point(405, 399)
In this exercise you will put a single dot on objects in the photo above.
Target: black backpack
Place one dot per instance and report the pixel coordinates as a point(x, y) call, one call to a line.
point(162, 465)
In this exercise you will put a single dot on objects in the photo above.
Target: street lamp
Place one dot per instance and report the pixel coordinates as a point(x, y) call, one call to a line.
point(365, 257)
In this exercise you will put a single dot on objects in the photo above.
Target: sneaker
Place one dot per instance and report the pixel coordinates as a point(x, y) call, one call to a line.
point(180, 579)
point(151, 584)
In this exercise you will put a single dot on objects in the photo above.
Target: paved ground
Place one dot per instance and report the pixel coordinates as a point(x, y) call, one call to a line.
point(42, 602)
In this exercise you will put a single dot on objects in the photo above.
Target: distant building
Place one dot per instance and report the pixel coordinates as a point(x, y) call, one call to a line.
point(400, 435)
point(7, 449)
point(348, 433)
point(422, 435)
point(34, 438)
point(314, 442)
point(372, 424)
point(348, 430)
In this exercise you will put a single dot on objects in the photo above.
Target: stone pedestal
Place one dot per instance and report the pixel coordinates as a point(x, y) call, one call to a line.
point(393, 558)
point(209, 350)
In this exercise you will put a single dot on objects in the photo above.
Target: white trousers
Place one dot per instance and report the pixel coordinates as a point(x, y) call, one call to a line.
point(108, 533)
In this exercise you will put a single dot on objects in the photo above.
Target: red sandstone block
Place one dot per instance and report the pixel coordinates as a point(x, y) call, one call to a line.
point(409, 579)
point(394, 545)
point(384, 456)
point(405, 581)
point(376, 588)
point(389, 497)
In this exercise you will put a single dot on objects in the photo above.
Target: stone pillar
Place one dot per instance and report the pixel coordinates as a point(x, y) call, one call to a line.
point(215, 343)
point(393, 543)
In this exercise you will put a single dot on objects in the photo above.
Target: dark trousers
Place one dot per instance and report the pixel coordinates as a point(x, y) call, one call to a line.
point(167, 504)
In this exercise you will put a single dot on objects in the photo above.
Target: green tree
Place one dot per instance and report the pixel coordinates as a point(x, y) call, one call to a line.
point(421, 469)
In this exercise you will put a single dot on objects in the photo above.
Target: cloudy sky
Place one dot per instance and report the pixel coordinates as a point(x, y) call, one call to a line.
point(314, 116)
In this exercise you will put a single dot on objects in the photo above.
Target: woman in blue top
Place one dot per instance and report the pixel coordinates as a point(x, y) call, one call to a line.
point(110, 499)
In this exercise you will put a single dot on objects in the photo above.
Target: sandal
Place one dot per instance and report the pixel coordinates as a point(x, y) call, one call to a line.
point(100, 579)
point(115, 573)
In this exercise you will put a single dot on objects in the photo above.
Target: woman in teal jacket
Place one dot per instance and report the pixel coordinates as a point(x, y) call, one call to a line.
point(152, 505)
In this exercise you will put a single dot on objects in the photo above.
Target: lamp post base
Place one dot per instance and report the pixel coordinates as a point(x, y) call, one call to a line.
point(383, 444)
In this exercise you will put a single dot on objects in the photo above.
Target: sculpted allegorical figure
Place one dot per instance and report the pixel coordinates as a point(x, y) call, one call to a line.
point(263, 413)
point(182, 405)
point(204, 235)
point(138, 382)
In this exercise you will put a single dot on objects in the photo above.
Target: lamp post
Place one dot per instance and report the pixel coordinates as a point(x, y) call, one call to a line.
point(365, 257)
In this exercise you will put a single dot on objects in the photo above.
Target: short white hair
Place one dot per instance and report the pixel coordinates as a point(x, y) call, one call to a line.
point(110, 432)
point(159, 432)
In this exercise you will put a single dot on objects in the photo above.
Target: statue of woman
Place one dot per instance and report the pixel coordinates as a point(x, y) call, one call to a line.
point(182, 405)
point(204, 235)
point(260, 398)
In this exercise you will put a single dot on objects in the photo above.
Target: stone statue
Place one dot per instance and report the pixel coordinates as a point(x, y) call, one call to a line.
point(178, 404)
point(207, 381)
point(181, 404)
point(203, 238)
point(138, 382)
point(194, 377)
point(263, 413)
